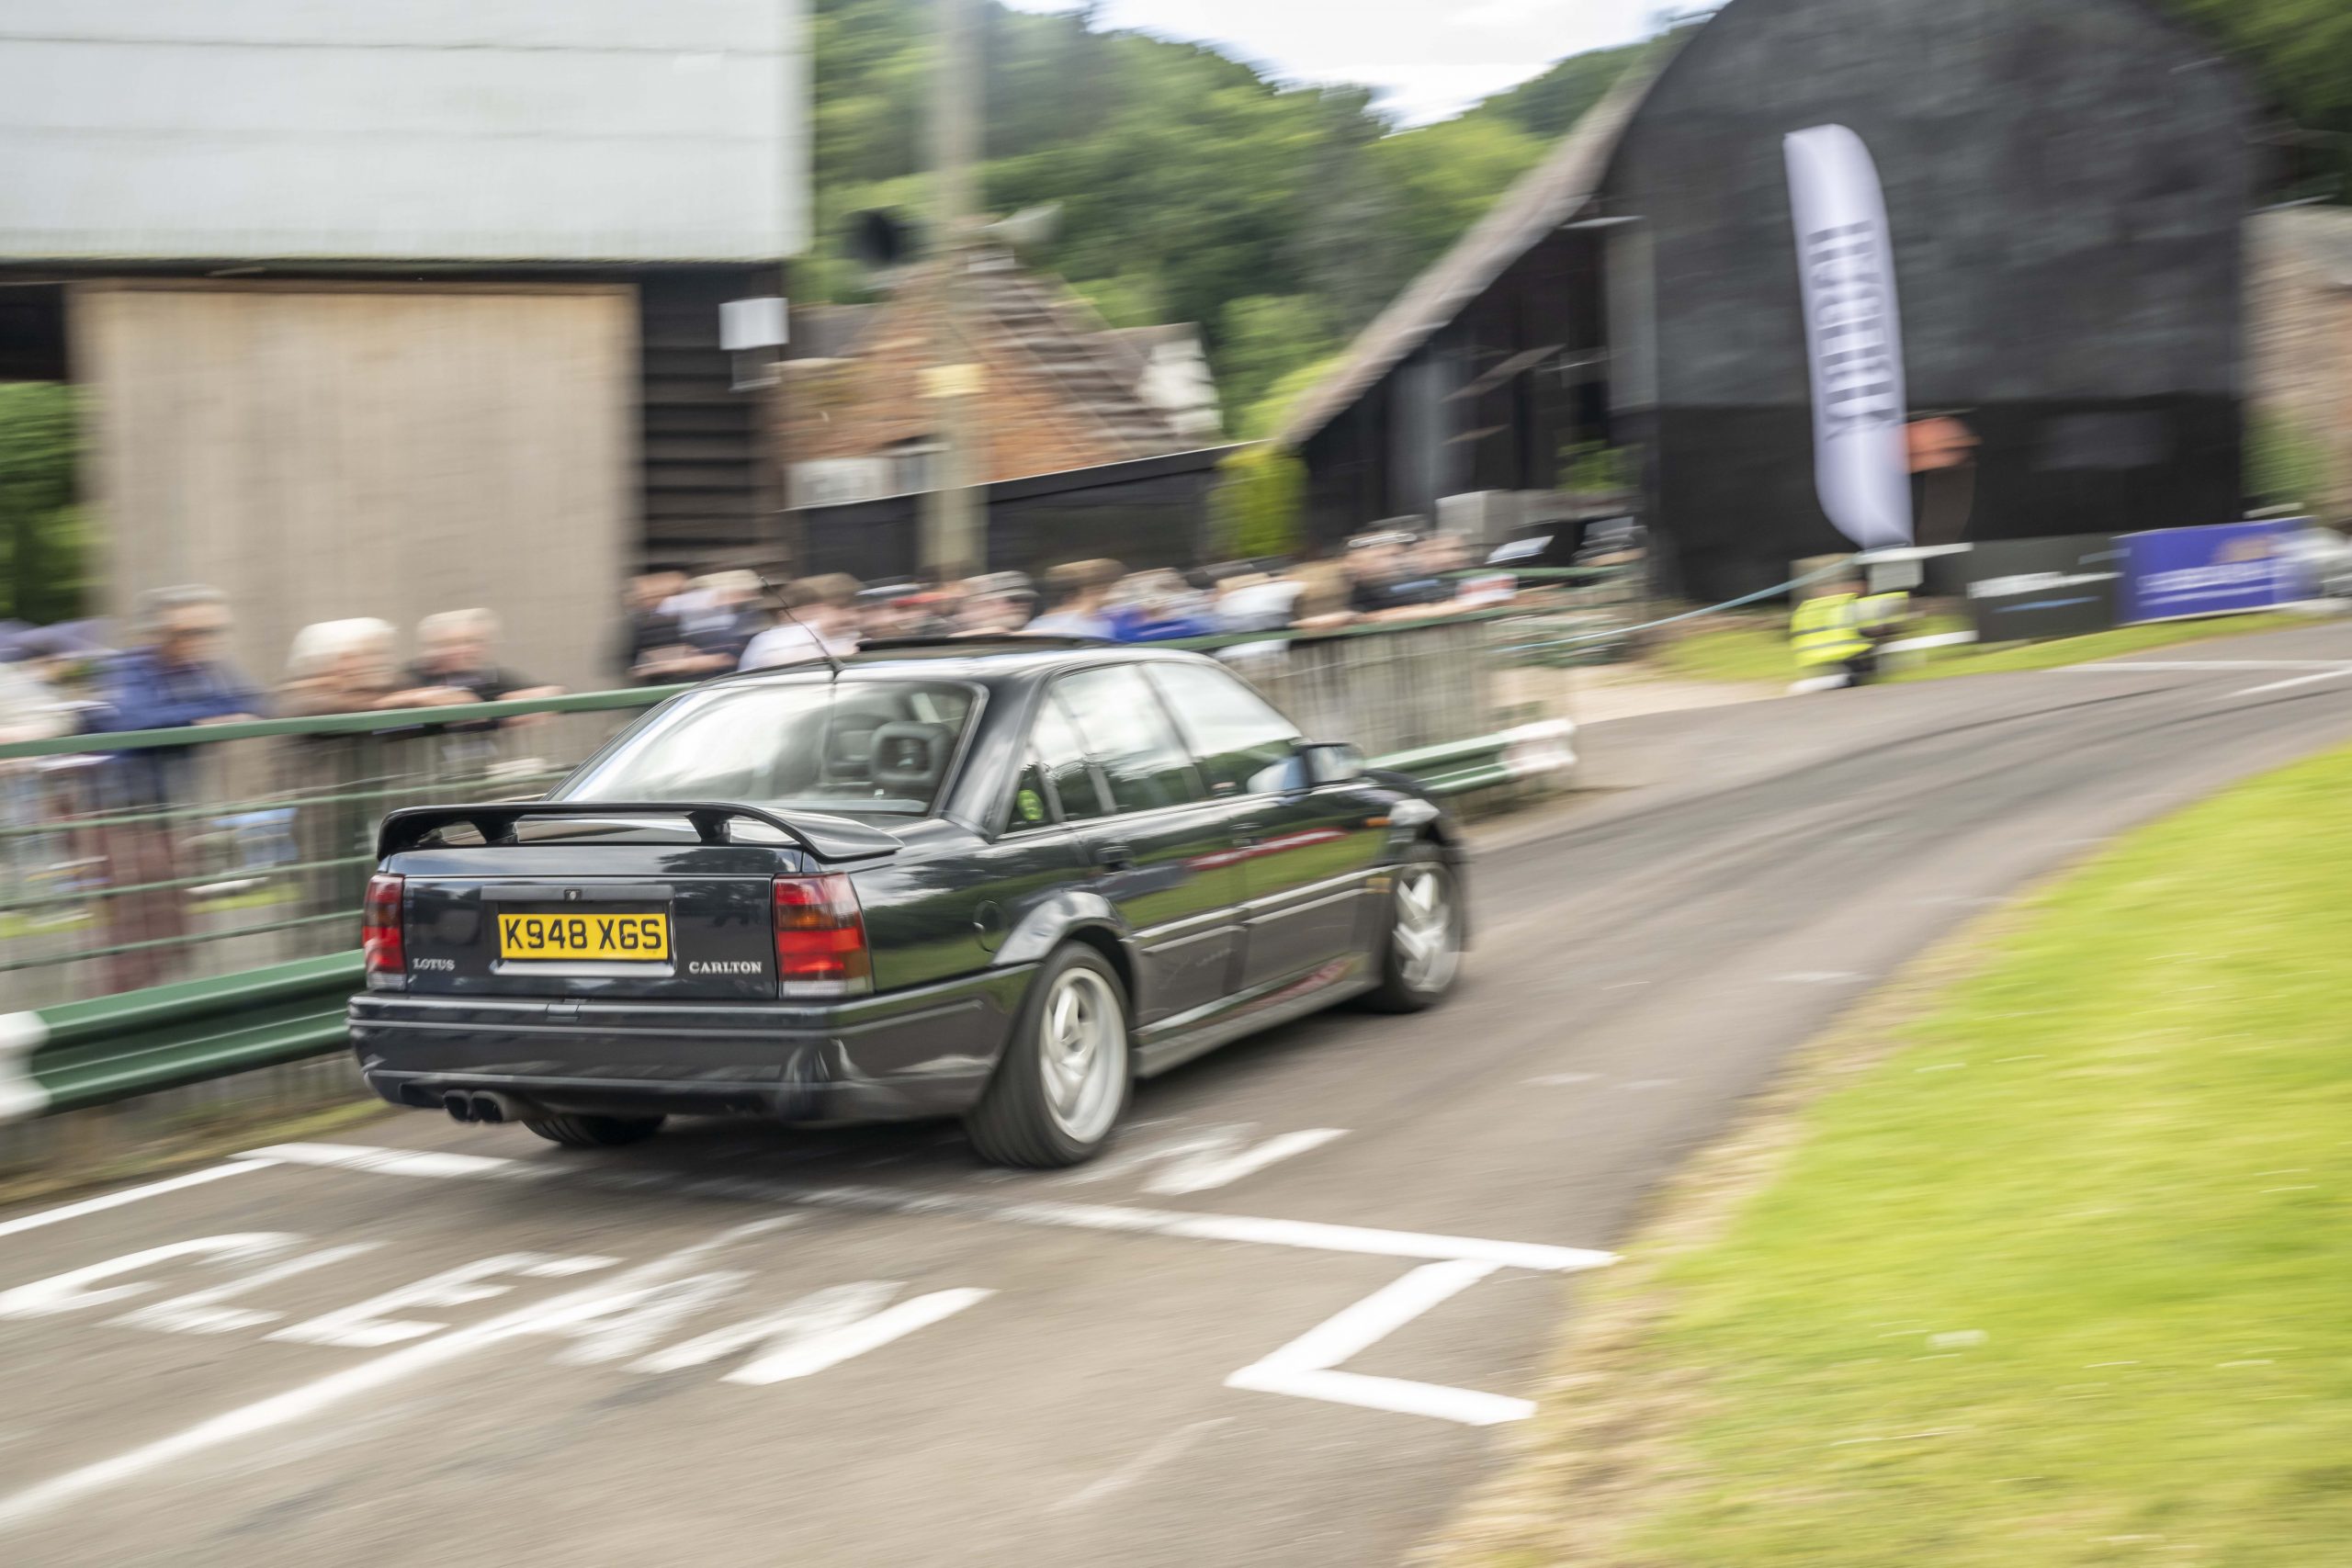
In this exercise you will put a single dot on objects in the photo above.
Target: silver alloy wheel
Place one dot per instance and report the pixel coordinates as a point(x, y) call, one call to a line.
point(1082, 1055)
point(1427, 946)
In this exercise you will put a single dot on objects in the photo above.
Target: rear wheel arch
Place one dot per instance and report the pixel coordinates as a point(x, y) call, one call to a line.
point(1114, 951)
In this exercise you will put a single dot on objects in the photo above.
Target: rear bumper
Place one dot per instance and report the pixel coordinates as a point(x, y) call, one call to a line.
point(915, 1054)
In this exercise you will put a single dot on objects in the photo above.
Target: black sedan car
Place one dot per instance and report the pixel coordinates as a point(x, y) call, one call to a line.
point(998, 880)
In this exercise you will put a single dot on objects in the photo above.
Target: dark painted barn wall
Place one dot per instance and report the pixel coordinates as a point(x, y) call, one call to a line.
point(2066, 184)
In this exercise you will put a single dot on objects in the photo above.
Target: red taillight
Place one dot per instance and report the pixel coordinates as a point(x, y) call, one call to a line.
point(379, 927)
point(819, 938)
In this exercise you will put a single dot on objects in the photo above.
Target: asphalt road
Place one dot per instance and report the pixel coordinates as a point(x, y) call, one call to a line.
point(1276, 1327)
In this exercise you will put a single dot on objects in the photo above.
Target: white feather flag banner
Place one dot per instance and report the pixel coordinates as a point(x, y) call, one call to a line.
point(1854, 337)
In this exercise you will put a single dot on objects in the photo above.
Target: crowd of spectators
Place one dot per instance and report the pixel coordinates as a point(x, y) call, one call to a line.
point(686, 628)
point(171, 670)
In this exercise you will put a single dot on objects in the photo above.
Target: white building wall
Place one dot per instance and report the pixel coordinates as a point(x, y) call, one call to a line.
point(612, 130)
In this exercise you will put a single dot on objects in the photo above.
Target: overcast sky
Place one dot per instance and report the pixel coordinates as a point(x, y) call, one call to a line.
point(1429, 58)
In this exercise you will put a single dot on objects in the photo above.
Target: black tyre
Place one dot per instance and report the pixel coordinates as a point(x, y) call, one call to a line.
point(595, 1131)
point(1420, 952)
point(1063, 1084)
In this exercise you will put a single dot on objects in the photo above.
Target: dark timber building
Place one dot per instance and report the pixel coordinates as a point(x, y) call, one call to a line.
point(2067, 186)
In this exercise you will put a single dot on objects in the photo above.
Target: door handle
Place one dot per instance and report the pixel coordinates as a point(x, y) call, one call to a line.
point(1116, 855)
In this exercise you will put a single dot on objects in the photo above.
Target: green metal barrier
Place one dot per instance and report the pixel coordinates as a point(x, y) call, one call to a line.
point(82, 1053)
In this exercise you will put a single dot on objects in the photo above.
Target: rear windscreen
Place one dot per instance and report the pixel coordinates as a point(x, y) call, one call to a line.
point(837, 746)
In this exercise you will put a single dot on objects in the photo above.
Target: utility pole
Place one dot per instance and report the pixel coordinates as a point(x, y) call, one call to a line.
point(952, 539)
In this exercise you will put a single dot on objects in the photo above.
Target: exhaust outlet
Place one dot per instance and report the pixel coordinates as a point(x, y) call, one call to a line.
point(487, 1107)
point(459, 1107)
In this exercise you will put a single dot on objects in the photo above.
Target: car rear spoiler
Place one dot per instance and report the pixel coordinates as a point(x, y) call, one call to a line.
point(828, 838)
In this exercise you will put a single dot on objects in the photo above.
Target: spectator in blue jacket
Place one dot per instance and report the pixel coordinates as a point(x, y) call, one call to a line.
point(176, 679)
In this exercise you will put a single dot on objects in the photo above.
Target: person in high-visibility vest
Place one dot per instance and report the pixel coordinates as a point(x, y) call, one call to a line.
point(1881, 616)
point(1825, 633)
point(1840, 631)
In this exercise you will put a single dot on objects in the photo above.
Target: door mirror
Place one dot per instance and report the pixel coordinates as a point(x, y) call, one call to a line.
point(1312, 764)
point(1330, 763)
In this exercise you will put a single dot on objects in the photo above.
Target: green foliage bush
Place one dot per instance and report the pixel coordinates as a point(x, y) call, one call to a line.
point(1257, 507)
point(41, 528)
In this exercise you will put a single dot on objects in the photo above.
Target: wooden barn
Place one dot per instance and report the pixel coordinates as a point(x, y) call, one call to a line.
point(388, 308)
point(2067, 187)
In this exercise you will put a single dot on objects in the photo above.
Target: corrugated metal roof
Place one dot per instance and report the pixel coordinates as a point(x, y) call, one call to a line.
point(1545, 196)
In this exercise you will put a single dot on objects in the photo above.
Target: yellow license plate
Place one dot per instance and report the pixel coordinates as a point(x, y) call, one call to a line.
point(626, 938)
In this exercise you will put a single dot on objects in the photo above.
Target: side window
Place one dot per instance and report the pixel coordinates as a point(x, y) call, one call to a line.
point(1235, 732)
point(1059, 760)
point(1033, 799)
point(1128, 734)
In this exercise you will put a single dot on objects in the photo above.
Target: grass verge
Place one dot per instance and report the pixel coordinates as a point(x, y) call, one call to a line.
point(2039, 1259)
point(1758, 650)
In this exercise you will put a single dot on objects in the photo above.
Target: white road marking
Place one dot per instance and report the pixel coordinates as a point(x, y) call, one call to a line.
point(628, 1324)
point(1303, 1367)
point(1205, 1160)
point(242, 1163)
point(71, 1292)
point(818, 1331)
point(2193, 666)
point(366, 1325)
point(1143, 1464)
point(1564, 1081)
point(200, 1312)
point(310, 1398)
point(2338, 674)
point(1305, 1234)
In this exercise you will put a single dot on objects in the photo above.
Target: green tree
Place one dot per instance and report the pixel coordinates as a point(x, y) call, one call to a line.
point(1280, 219)
point(1264, 417)
point(1261, 340)
point(41, 528)
point(1546, 106)
point(1446, 175)
point(2300, 55)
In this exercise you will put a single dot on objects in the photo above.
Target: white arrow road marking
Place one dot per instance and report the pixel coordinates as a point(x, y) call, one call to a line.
point(1209, 1158)
point(237, 1167)
point(310, 1398)
point(1303, 1367)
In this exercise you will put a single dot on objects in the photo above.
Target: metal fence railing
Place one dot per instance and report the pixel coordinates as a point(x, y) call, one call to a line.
point(129, 861)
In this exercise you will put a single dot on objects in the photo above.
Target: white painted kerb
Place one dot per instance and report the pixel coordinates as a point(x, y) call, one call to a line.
point(21, 1035)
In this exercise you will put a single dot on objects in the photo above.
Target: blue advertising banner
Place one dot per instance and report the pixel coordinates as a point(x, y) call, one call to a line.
point(2209, 571)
